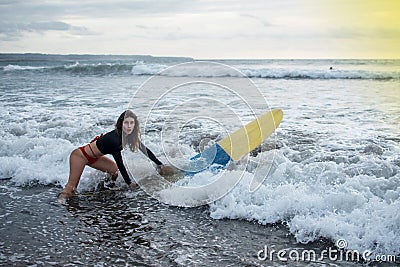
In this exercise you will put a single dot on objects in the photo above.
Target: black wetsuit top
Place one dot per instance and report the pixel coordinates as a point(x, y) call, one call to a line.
point(111, 143)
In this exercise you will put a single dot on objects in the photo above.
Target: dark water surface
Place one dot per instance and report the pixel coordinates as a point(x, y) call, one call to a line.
point(127, 228)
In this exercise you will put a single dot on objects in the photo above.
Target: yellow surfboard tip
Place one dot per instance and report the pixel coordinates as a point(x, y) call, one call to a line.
point(247, 138)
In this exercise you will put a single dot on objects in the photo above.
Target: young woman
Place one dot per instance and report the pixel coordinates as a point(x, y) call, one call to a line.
point(125, 134)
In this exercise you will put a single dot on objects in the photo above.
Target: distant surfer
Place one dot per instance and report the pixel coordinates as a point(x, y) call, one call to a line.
point(93, 154)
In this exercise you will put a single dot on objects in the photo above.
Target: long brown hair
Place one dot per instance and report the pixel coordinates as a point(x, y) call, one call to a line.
point(132, 139)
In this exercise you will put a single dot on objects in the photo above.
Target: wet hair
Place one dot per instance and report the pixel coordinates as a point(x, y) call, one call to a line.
point(132, 139)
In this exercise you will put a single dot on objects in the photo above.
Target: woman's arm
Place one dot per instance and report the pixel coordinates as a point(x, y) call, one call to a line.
point(161, 168)
point(121, 167)
point(149, 154)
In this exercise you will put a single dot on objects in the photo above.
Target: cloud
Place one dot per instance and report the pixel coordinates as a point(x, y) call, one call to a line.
point(59, 10)
point(48, 26)
point(194, 27)
point(263, 22)
point(19, 17)
point(352, 33)
point(13, 31)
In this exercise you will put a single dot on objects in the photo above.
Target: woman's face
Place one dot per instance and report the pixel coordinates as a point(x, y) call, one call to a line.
point(128, 125)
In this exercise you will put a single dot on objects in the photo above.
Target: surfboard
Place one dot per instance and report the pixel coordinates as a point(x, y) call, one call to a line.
point(237, 144)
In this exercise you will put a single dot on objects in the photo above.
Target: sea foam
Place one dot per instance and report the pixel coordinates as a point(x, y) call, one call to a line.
point(319, 200)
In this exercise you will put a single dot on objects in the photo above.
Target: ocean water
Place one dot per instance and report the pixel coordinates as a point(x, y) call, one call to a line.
point(332, 173)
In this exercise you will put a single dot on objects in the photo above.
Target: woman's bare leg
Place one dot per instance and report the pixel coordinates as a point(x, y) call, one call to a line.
point(105, 164)
point(77, 164)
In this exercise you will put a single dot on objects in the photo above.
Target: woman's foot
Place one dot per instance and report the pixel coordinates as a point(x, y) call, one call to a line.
point(64, 196)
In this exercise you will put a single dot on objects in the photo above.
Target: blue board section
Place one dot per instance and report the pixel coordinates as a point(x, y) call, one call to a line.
point(213, 158)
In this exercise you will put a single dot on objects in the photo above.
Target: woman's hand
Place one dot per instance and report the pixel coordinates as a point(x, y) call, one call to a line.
point(133, 185)
point(166, 170)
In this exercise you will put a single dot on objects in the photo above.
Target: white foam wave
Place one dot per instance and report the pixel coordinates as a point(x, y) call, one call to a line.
point(267, 73)
point(320, 200)
point(11, 67)
point(141, 68)
point(287, 73)
point(28, 160)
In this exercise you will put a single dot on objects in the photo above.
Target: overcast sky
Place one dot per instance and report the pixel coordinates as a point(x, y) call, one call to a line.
point(206, 29)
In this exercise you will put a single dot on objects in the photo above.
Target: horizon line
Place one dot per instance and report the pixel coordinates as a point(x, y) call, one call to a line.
point(205, 59)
